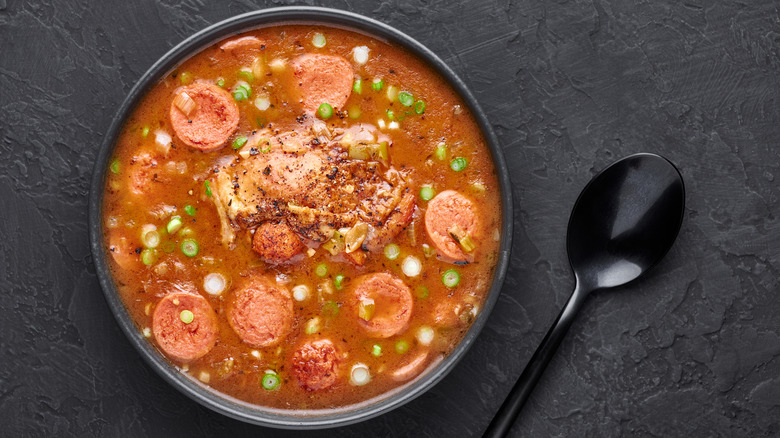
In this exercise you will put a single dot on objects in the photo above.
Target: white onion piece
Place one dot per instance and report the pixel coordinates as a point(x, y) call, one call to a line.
point(424, 335)
point(163, 140)
point(359, 375)
point(411, 266)
point(147, 332)
point(393, 125)
point(360, 54)
point(262, 103)
point(214, 284)
point(277, 65)
point(381, 123)
point(300, 292)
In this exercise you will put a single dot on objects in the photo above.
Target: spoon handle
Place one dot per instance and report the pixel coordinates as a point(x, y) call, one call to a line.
point(517, 397)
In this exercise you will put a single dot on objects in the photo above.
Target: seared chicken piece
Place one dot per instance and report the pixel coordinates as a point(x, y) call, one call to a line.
point(314, 183)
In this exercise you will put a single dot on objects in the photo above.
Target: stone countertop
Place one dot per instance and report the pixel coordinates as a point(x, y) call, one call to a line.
point(569, 86)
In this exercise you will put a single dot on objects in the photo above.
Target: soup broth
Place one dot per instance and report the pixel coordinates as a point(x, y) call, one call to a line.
point(302, 217)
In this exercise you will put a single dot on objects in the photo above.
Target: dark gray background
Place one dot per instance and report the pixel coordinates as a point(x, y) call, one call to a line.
point(692, 350)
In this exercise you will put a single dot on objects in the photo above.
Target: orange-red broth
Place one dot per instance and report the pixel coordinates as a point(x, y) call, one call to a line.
point(233, 367)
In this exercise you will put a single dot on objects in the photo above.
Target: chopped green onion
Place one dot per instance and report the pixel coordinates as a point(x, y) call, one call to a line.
point(190, 210)
point(405, 98)
point(376, 350)
point(360, 375)
point(145, 131)
point(312, 325)
point(318, 40)
point(208, 188)
point(330, 309)
point(186, 232)
point(459, 164)
point(321, 270)
point(169, 247)
point(239, 142)
point(185, 78)
point(270, 381)
point(189, 247)
point(390, 115)
point(221, 83)
point(339, 281)
point(392, 251)
point(451, 278)
point(357, 86)
point(354, 112)
point(186, 316)
point(421, 292)
point(242, 91)
point(392, 93)
point(401, 347)
point(174, 224)
point(151, 239)
point(114, 166)
point(377, 84)
point(425, 335)
point(265, 145)
point(441, 151)
point(427, 193)
point(419, 107)
point(325, 111)
point(148, 256)
point(246, 75)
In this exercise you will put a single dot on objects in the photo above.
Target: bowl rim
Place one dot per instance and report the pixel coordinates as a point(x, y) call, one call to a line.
point(187, 385)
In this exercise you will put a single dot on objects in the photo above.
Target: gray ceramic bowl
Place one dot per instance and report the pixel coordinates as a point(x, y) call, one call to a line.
point(191, 387)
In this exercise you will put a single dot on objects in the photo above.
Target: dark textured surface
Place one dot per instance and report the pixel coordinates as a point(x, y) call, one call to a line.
point(692, 350)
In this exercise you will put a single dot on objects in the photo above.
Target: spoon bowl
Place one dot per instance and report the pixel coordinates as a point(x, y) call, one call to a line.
point(623, 223)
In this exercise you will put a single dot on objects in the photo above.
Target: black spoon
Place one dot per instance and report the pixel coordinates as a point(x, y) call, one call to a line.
point(623, 223)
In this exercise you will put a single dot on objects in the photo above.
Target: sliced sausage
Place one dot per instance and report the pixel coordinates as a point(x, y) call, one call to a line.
point(242, 44)
point(122, 251)
point(143, 173)
point(411, 369)
point(322, 79)
point(261, 312)
point(180, 340)
point(213, 120)
point(397, 221)
point(446, 210)
point(445, 312)
point(392, 304)
point(276, 242)
point(316, 365)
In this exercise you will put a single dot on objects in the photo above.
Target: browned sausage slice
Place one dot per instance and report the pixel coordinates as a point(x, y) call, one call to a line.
point(389, 301)
point(316, 365)
point(448, 209)
point(181, 340)
point(213, 120)
point(261, 312)
point(322, 79)
point(276, 242)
